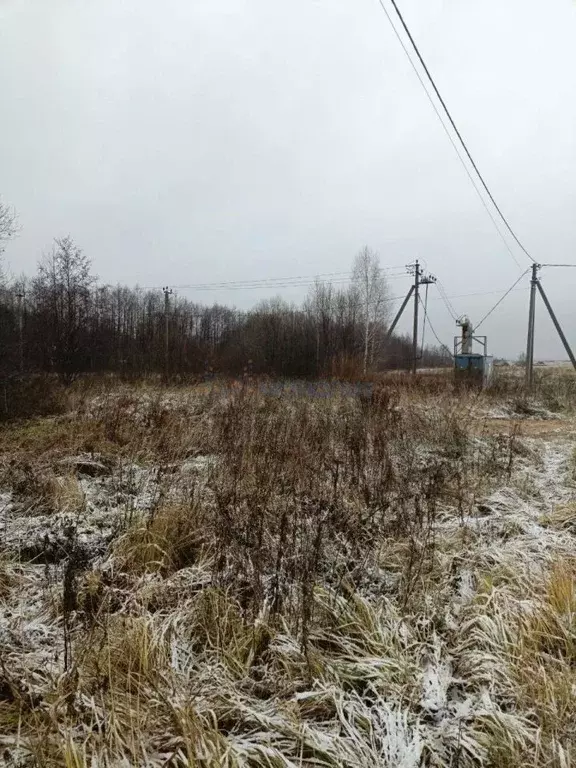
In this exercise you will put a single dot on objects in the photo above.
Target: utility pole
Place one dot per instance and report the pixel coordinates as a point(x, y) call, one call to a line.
point(167, 294)
point(419, 279)
point(536, 285)
point(20, 297)
point(531, 326)
point(399, 313)
point(417, 274)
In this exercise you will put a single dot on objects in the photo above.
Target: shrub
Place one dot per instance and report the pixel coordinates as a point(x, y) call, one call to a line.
point(29, 396)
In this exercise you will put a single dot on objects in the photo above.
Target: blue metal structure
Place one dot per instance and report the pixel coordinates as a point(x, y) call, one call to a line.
point(473, 368)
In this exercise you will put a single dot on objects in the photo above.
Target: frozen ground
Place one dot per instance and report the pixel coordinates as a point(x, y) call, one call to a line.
point(391, 688)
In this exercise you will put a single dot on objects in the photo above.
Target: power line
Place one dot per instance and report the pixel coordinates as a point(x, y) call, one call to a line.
point(459, 135)
point(478, 293)
point(457, 296)
point(443, 295)
point(436, 336)
point(502, 299)
point(446, 300)
point(259, 285)
point(282, 279)
point(390, 273)
point(449, 135)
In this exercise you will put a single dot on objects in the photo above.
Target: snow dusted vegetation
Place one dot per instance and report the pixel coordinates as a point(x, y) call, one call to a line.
point(237, 576)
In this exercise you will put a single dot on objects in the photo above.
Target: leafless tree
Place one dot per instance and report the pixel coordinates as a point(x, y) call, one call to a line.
point(8, 228)
point(8, 224)
point(68, 325)
point(372, 291)
point(64, 288)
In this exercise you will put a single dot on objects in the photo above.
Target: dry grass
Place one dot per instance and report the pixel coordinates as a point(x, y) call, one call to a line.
point(167, 541)
point(338, 581)
point(40, 489)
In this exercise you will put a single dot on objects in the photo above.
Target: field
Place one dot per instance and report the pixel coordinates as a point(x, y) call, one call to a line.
point(304, 575)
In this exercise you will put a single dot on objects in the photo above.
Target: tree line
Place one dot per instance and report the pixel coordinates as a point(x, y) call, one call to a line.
point(62, 321)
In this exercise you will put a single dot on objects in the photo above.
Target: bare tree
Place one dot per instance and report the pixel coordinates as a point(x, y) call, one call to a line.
point(64, 286)
point(320, 304)
point(372, 292)
point(69, 325)
point(8, 228)
point(8, 224)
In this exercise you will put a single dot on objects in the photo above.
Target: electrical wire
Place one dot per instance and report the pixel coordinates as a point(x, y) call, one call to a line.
point(286, 279)
point(256, 286)
point(449, 135)
point(477, 293)
point(446, 300)
point(390, 273)
point(454, 126)
point(451, 354)
point(454, 146)
point(272, 279)
point(500, 300)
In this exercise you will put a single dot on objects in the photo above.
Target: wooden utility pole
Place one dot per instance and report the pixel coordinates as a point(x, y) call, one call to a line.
point(167, 294)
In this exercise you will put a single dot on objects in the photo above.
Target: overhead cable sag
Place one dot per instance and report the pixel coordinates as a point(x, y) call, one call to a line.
point(455, 128)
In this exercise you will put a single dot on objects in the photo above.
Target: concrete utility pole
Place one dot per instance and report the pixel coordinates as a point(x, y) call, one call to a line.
point(20, 297)
point(399, 313)
point(167, 294)
point(417, 274)
point(531, 325)
point(535, 284)
point(419, 279)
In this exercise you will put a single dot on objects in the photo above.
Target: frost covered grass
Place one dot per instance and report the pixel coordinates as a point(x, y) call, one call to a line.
point(251, 576)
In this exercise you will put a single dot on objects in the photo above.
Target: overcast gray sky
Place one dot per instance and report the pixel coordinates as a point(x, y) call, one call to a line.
point(193, 141)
